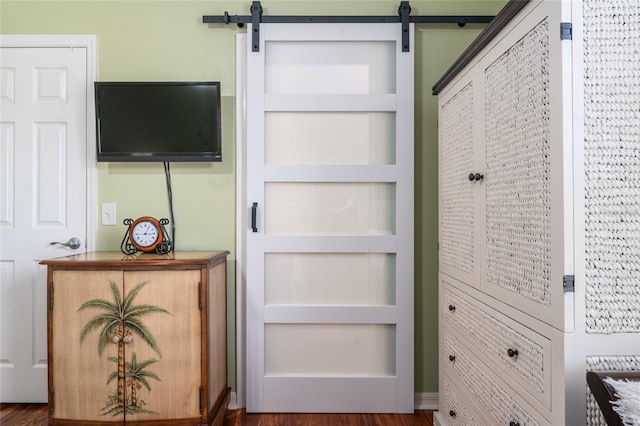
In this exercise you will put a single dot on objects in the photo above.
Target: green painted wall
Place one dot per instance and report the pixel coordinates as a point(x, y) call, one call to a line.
point(165, 40)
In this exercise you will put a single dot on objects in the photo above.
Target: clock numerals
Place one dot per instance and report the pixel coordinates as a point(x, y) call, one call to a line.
point(145, 234)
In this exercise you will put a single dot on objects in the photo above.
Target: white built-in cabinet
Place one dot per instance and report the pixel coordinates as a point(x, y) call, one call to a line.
point(539, 243)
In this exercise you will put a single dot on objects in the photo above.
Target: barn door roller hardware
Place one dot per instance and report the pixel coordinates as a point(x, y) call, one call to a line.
point(403, 17)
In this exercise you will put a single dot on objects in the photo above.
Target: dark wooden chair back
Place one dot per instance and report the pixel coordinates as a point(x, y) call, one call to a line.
point(604, 393)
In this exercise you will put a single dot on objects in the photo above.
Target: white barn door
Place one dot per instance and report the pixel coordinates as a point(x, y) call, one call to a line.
point(330, 252)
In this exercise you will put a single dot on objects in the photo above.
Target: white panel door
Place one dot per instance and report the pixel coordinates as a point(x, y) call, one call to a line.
point(43, 198)
point(330, 253)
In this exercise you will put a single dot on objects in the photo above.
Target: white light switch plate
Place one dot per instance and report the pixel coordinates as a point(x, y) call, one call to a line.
point(108, 213)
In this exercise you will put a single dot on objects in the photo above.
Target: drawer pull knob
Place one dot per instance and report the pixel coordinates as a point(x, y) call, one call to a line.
point(513, 353)
point(512, 423)
point(452, 308)
point(452, 413)
point(452, 358)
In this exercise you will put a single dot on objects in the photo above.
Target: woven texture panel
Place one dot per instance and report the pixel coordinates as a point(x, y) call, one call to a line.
point(612, 164)
point(491, 395)
point(606, 363)
point(452, 402)
point(518, 168)
point(456, 191)
point(496, 337)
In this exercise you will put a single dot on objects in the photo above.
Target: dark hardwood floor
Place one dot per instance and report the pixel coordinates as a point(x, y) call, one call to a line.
point(240, 418)
point(23, 414)
point(37, 414)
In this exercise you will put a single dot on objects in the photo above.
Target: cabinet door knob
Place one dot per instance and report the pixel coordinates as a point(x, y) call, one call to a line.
point(472, 177)
point(479, 176)
point(452, 308)
point(513, 423)
point(452, 413)
point(512, 353)
point(452, 358)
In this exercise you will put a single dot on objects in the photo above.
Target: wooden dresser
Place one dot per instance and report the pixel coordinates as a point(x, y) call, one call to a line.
point(137, 339)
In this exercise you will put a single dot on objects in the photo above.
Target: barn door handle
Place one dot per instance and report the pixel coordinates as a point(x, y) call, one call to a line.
point(73, 243)
point(254, 215)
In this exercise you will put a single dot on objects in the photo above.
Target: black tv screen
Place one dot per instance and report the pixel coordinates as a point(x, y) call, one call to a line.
point(158, 121)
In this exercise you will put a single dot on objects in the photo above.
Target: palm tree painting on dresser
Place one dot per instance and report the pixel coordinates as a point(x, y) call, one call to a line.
point(117, 323)
point(137, 375)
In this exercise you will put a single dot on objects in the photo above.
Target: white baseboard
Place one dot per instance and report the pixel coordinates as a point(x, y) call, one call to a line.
point(426, 401)
point(233, 401)
point(437, 419)
point(422, 401)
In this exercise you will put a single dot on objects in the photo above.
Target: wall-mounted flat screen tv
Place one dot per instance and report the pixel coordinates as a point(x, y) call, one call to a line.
point(158, 121)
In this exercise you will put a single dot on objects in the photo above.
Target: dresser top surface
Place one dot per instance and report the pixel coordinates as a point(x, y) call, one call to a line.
point(118, 259)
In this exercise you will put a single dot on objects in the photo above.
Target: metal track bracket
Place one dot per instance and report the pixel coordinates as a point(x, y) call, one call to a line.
point(256, 17)
point(404, 10)
point(403, 17)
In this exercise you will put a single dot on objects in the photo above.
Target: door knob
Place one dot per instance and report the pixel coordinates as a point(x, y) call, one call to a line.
point(73, 243)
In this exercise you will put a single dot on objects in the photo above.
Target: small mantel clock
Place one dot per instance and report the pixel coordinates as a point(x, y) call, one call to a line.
point(146, 234)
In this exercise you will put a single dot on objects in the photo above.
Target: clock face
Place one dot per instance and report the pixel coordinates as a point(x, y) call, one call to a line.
point(145, 233)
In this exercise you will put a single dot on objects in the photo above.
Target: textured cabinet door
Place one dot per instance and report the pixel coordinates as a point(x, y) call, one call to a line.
point(144, 367)
point(137, 340)
point(504, 189)
point(527, 183)
point(79, 368)
point(461, 193)
point(162, 362)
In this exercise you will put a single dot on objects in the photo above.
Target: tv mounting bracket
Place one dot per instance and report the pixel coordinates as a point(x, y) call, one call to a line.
point(403, 17)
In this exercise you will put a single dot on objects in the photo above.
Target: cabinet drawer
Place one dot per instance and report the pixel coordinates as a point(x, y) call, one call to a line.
point(454, 410)
point(522, 354)
point(498, 401)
